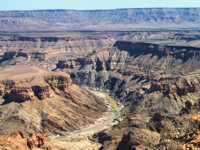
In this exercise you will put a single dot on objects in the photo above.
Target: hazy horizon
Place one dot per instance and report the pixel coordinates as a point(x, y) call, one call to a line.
point(11, 5)
point(105, 9)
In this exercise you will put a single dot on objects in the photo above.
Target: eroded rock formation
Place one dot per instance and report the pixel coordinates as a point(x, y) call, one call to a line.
point(146, 75)
point(36, 100)
point(158, 84)
point(17, 140)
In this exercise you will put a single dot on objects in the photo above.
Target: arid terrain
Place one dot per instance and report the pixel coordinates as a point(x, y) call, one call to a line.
point(118, 19)
point(60, 72)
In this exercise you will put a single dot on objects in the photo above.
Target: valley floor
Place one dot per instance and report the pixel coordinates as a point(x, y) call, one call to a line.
point(70, 139)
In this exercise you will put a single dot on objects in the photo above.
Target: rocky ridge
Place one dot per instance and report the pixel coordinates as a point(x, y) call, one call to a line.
point(45, 50)
point(148, 78)
point(34, 100)
point(169, 72)
point(159, 86)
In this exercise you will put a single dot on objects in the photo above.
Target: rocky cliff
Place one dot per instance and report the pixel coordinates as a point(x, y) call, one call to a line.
point(137, 72)
point(45, 50)
point(159, 86)
point(38, 101)
point(17, 140)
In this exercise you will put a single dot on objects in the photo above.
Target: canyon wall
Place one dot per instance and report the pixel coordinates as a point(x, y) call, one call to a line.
point(34, 100)
point(147, 76)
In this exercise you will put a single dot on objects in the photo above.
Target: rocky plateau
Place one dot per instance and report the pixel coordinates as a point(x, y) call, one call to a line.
point(35, 100)
point(148, 79)
point(147, 59)
point(119, 19)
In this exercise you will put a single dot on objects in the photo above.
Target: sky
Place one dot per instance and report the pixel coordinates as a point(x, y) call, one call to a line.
point(93, 4)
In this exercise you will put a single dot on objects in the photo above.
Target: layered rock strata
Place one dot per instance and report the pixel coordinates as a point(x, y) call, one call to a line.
point(36, 100)
point(145, 75)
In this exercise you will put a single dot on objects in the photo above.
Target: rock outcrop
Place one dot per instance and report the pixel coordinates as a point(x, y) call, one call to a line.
point(158, 84)
point(46, 51)
point(20, 94)
point(177, 132)
point(139, 139)
point(37, 100)
point(146, 75)
point(180, 87)
point(17, 140)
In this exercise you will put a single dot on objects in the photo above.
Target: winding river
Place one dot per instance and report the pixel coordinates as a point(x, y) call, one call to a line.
point(113, 114)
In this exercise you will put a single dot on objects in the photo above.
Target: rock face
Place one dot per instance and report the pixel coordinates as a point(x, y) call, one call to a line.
point(98, 19)
point(139, 139)
point(137, 72)
point(45, 50)
point(180, 87)
point(159, 86)
point(20, 94)
point(16, 140)
point(36, 100)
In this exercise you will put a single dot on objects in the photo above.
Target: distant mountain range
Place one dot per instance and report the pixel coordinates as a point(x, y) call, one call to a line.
point(118, 19)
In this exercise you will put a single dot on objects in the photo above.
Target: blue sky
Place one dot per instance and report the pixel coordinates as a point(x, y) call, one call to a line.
point(93, 4)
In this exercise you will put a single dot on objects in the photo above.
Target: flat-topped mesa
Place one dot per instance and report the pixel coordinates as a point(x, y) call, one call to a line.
point(27, 83)
point(140, 48)
point(44, 50)
point(47, 100)
point(67, 64)
point(123, 52)
point(39, 56)
point(130, 19)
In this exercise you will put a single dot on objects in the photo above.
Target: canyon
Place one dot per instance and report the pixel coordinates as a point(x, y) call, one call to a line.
point(147, 60)
point(34, 100)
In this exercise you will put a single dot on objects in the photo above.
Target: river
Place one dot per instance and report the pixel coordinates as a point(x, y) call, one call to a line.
point(113, 114)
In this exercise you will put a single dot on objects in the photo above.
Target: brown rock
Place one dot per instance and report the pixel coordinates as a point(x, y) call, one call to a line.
point(43, 92)
point(157, 117)
point(14, 141)
point(156, 87)
point(17, 141)
point(157, 121)
point(172, 89)
point(138, 139)
point(39, 56)
point(1, 90)
point(59, 82)
point(188, 105)
point(63, 106)
point(20, 94)
point(36, 141)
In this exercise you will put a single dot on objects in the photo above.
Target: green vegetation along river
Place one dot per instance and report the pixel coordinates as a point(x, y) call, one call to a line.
point(113, 114)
